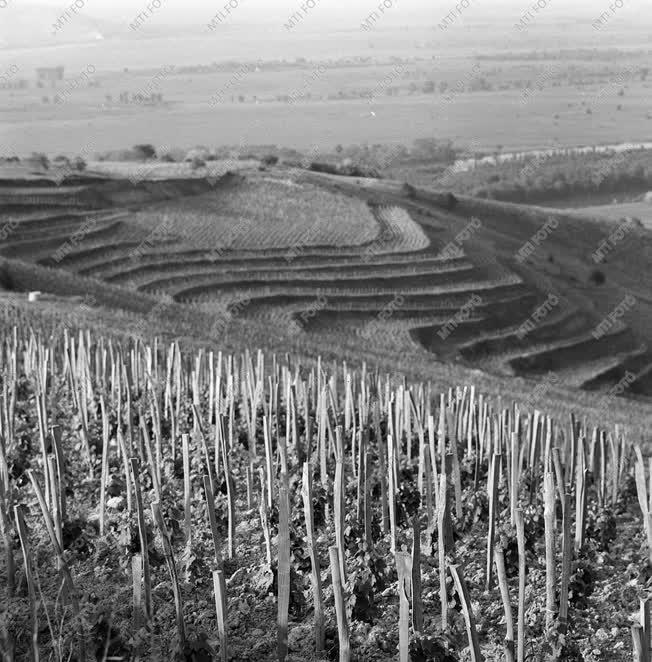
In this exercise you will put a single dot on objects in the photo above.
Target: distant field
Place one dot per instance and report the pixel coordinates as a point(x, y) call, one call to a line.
point(486, 118)
point(324, 111)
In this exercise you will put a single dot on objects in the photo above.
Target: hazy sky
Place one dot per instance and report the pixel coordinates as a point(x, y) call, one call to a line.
point(192, 11)
point(29, 23)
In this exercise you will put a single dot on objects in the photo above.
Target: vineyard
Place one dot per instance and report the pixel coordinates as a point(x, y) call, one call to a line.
point(335, 258)
point(161, 504)
point(264, 214)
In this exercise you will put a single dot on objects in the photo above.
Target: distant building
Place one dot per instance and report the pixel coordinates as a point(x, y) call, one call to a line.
point(20, 84)
point(49, 75)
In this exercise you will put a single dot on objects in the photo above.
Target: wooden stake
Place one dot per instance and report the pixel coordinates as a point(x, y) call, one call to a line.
point(417, 603)
point(212, 521)
point(137, 586)
point(31, 590)
point(338, 500)
point(580, 504)
point(55, 435)
point(219, 587)
point(441, 546)
point(391, 497)
point(264, 524)
point(492, 487)
point(283, 567)
point(463, 594)
point(172, 569)
point(566, 560)
point(520, 539)
point(187, 506)
point(549, 521)
point(381, 449)
point(268, 461)
point(306, 492)
point(501, 573)
point(230, 497)
point(368, 532)
point(639, 643)
point(514, 477)
point(142, 536)
point(645, 624)
point(404, 569)
point(105, 465)
point(340, 610)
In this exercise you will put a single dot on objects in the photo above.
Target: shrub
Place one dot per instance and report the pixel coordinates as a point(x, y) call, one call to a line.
point(174, 155)
point(451, 201)
point(79, 164)
point(319, 166)
point(39, 160)
point(356, 170)
point(6, 281)
point(145, 151)
point(293, 163)
point(270, 159)
point(197, 153)
point(597, 277)
point(409, 191)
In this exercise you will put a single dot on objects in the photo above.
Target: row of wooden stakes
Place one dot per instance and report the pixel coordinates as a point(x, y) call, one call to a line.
point(347, 408)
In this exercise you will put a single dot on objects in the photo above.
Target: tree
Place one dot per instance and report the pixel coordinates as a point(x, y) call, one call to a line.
point(197, 162)
point(79, 164)
point(145, 151)
point(40, 160)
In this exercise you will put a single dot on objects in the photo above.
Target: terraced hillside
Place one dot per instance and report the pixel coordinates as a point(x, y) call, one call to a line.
point(420, 274)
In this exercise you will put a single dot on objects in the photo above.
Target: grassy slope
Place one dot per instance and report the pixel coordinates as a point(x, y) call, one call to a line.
point(628, 269)
point(123, 313)
point(618, 211)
